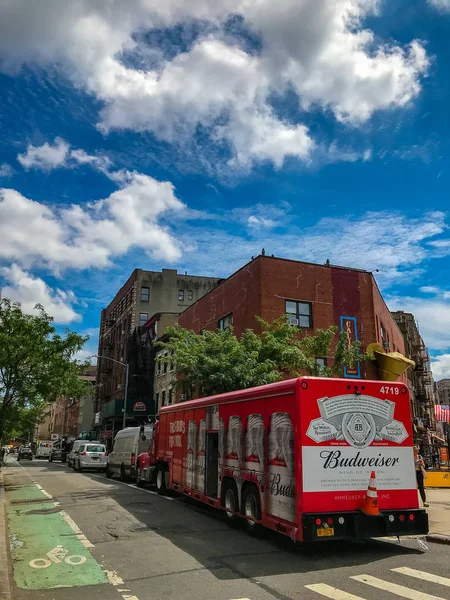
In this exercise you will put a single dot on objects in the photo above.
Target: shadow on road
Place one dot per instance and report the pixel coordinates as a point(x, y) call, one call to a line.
point(201, 532)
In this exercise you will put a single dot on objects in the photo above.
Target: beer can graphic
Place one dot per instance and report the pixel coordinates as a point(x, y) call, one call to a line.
point(221, 440)
point(281, 467)
point(233, 457)
point(254, 444)
point(200, 457)
point(191, 440)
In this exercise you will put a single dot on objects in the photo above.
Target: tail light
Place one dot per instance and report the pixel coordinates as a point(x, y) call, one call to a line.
point(411, 517)
point(106, 453)
point(133, 458)
point(318, 522)
point(330, 521)
point(83, 454)
point(402, 518)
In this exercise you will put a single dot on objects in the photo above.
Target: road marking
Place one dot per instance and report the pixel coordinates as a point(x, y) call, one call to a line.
point(41, 489)
point(113, 578)
point(77, 531)
point(398, 590)
point(423, 575)
point(127, 597)
point(331, 592)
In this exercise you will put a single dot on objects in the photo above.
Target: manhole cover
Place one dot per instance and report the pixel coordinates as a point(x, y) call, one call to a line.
point(31, 501)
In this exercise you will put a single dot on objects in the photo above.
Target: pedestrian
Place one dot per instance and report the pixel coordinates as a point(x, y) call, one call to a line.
point(420, 474)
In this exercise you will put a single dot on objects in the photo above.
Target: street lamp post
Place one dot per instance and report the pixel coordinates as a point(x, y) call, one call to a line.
point(125, 396)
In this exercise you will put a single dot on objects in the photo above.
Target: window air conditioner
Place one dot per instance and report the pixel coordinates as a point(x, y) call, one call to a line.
point(293, 321)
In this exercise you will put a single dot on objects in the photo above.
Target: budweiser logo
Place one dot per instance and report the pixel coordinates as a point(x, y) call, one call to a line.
point(334, 459)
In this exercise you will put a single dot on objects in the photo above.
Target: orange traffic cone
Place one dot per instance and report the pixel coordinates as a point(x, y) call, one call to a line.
point(370, 506)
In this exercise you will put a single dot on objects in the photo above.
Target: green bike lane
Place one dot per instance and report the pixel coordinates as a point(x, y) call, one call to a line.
point(48, 550)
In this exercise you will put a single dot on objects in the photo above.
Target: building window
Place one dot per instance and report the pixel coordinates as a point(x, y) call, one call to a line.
point(226, 321)
point(321, 362)
point(145, 294)
point(165, 367)
point(157, 400)
point(299, 313)
point(190, 295)
point(143, 318)
point(170, 396)
point(181, 295)
point(163, 398)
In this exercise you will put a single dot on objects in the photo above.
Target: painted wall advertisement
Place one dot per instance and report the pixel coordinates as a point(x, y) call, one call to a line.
point(349, 327)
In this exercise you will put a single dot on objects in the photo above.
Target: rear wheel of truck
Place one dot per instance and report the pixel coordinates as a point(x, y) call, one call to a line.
point(251, 508)
point(161, 480)
point(123, 475)
point(230, 501)
point(108, 473)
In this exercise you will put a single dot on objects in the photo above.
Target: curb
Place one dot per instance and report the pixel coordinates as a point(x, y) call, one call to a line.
point(5, 564)
point(438, 538)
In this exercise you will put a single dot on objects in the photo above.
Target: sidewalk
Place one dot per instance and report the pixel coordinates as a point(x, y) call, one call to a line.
point(5, 575)
point(439, 513)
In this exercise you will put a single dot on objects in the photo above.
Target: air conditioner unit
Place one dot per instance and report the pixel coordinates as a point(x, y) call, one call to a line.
point(182, 397)
point(293, 321)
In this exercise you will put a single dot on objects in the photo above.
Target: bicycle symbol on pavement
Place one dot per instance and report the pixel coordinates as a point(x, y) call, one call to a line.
point(55, 556)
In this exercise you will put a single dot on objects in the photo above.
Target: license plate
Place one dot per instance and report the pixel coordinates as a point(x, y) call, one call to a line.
point(95, 457)
point(328, 532)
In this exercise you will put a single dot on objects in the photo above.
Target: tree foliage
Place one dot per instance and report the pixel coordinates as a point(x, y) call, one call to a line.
point(36, 363)
point(214, 362)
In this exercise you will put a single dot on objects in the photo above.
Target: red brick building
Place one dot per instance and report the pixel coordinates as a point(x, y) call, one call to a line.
point(314, 297)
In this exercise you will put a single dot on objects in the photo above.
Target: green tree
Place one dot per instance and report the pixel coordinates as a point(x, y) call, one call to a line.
point(36, 363)
point(214, 362)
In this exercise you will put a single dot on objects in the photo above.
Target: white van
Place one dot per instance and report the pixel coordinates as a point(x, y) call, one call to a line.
point(128, 444)
point(43, 449)
point(75, 447)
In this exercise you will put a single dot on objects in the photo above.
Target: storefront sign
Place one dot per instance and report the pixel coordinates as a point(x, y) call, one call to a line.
point(139, 406)
point(349, 327)
point(97, 418)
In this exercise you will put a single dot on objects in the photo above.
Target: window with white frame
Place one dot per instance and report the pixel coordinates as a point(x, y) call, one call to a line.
point(180, 295)
point(299, 313)
point(143, 318)
point(145, 294)
point(190, 294)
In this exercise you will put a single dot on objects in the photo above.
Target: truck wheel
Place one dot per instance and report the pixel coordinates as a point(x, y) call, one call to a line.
point(122, 473)
point(230, 501)
point(139, 482)
point(108, 473)
point(161, 480)
point(251, 508)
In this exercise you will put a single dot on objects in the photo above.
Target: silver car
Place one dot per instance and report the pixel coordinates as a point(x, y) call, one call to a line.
point(90, 456)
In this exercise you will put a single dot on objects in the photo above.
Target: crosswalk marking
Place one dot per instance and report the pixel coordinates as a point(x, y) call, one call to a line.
point(399, 590)
point(423, 575)
point(332, 592)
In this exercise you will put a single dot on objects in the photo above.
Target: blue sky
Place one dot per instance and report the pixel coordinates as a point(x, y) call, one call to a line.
point(191, 135)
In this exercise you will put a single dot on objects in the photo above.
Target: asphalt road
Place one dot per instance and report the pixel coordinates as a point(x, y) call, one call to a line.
point(105, 539)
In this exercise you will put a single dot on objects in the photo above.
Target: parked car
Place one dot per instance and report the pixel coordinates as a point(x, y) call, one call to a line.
point(75, 447)
point(57, 452)
point(90, 456)
point(128, 444)
point(43, 449)
point(24, 454)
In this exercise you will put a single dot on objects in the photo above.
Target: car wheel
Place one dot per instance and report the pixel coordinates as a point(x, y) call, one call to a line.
point(123, 475)
point(161, 480)
point(139, 482)
point(251, 508)
point(108, 473)
point(230, 502)
point(80, 468)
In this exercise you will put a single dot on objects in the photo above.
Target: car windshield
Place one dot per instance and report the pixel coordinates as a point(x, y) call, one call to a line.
point(95, 449)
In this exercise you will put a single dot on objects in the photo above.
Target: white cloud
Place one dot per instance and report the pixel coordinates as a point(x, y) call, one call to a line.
point(45, 157)
point(29, 291)
point(48, 157)
point(6, 170)
point(432, 316)
point(254, 221)
point(86, 236)
point(317, 48)
point(440, 365)
point(442, 5)
point(429, 289)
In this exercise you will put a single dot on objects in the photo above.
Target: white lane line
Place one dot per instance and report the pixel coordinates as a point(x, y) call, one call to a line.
point(130, 485)
point(127, 597)
point(423, 575)
point(114, 578)
point(41, 489)
point(398, 590)
point(77, 531)
point(331, 592)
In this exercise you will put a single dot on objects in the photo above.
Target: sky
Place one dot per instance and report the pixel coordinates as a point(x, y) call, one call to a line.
point(190, 134)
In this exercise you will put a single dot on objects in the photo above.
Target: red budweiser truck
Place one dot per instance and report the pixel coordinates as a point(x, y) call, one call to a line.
point(294, 456)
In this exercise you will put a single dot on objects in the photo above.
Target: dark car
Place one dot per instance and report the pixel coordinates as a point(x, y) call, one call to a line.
point(57, 453)
point(25, 454)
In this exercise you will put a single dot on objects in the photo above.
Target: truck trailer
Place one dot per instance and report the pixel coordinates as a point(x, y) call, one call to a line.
point(296, 457)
